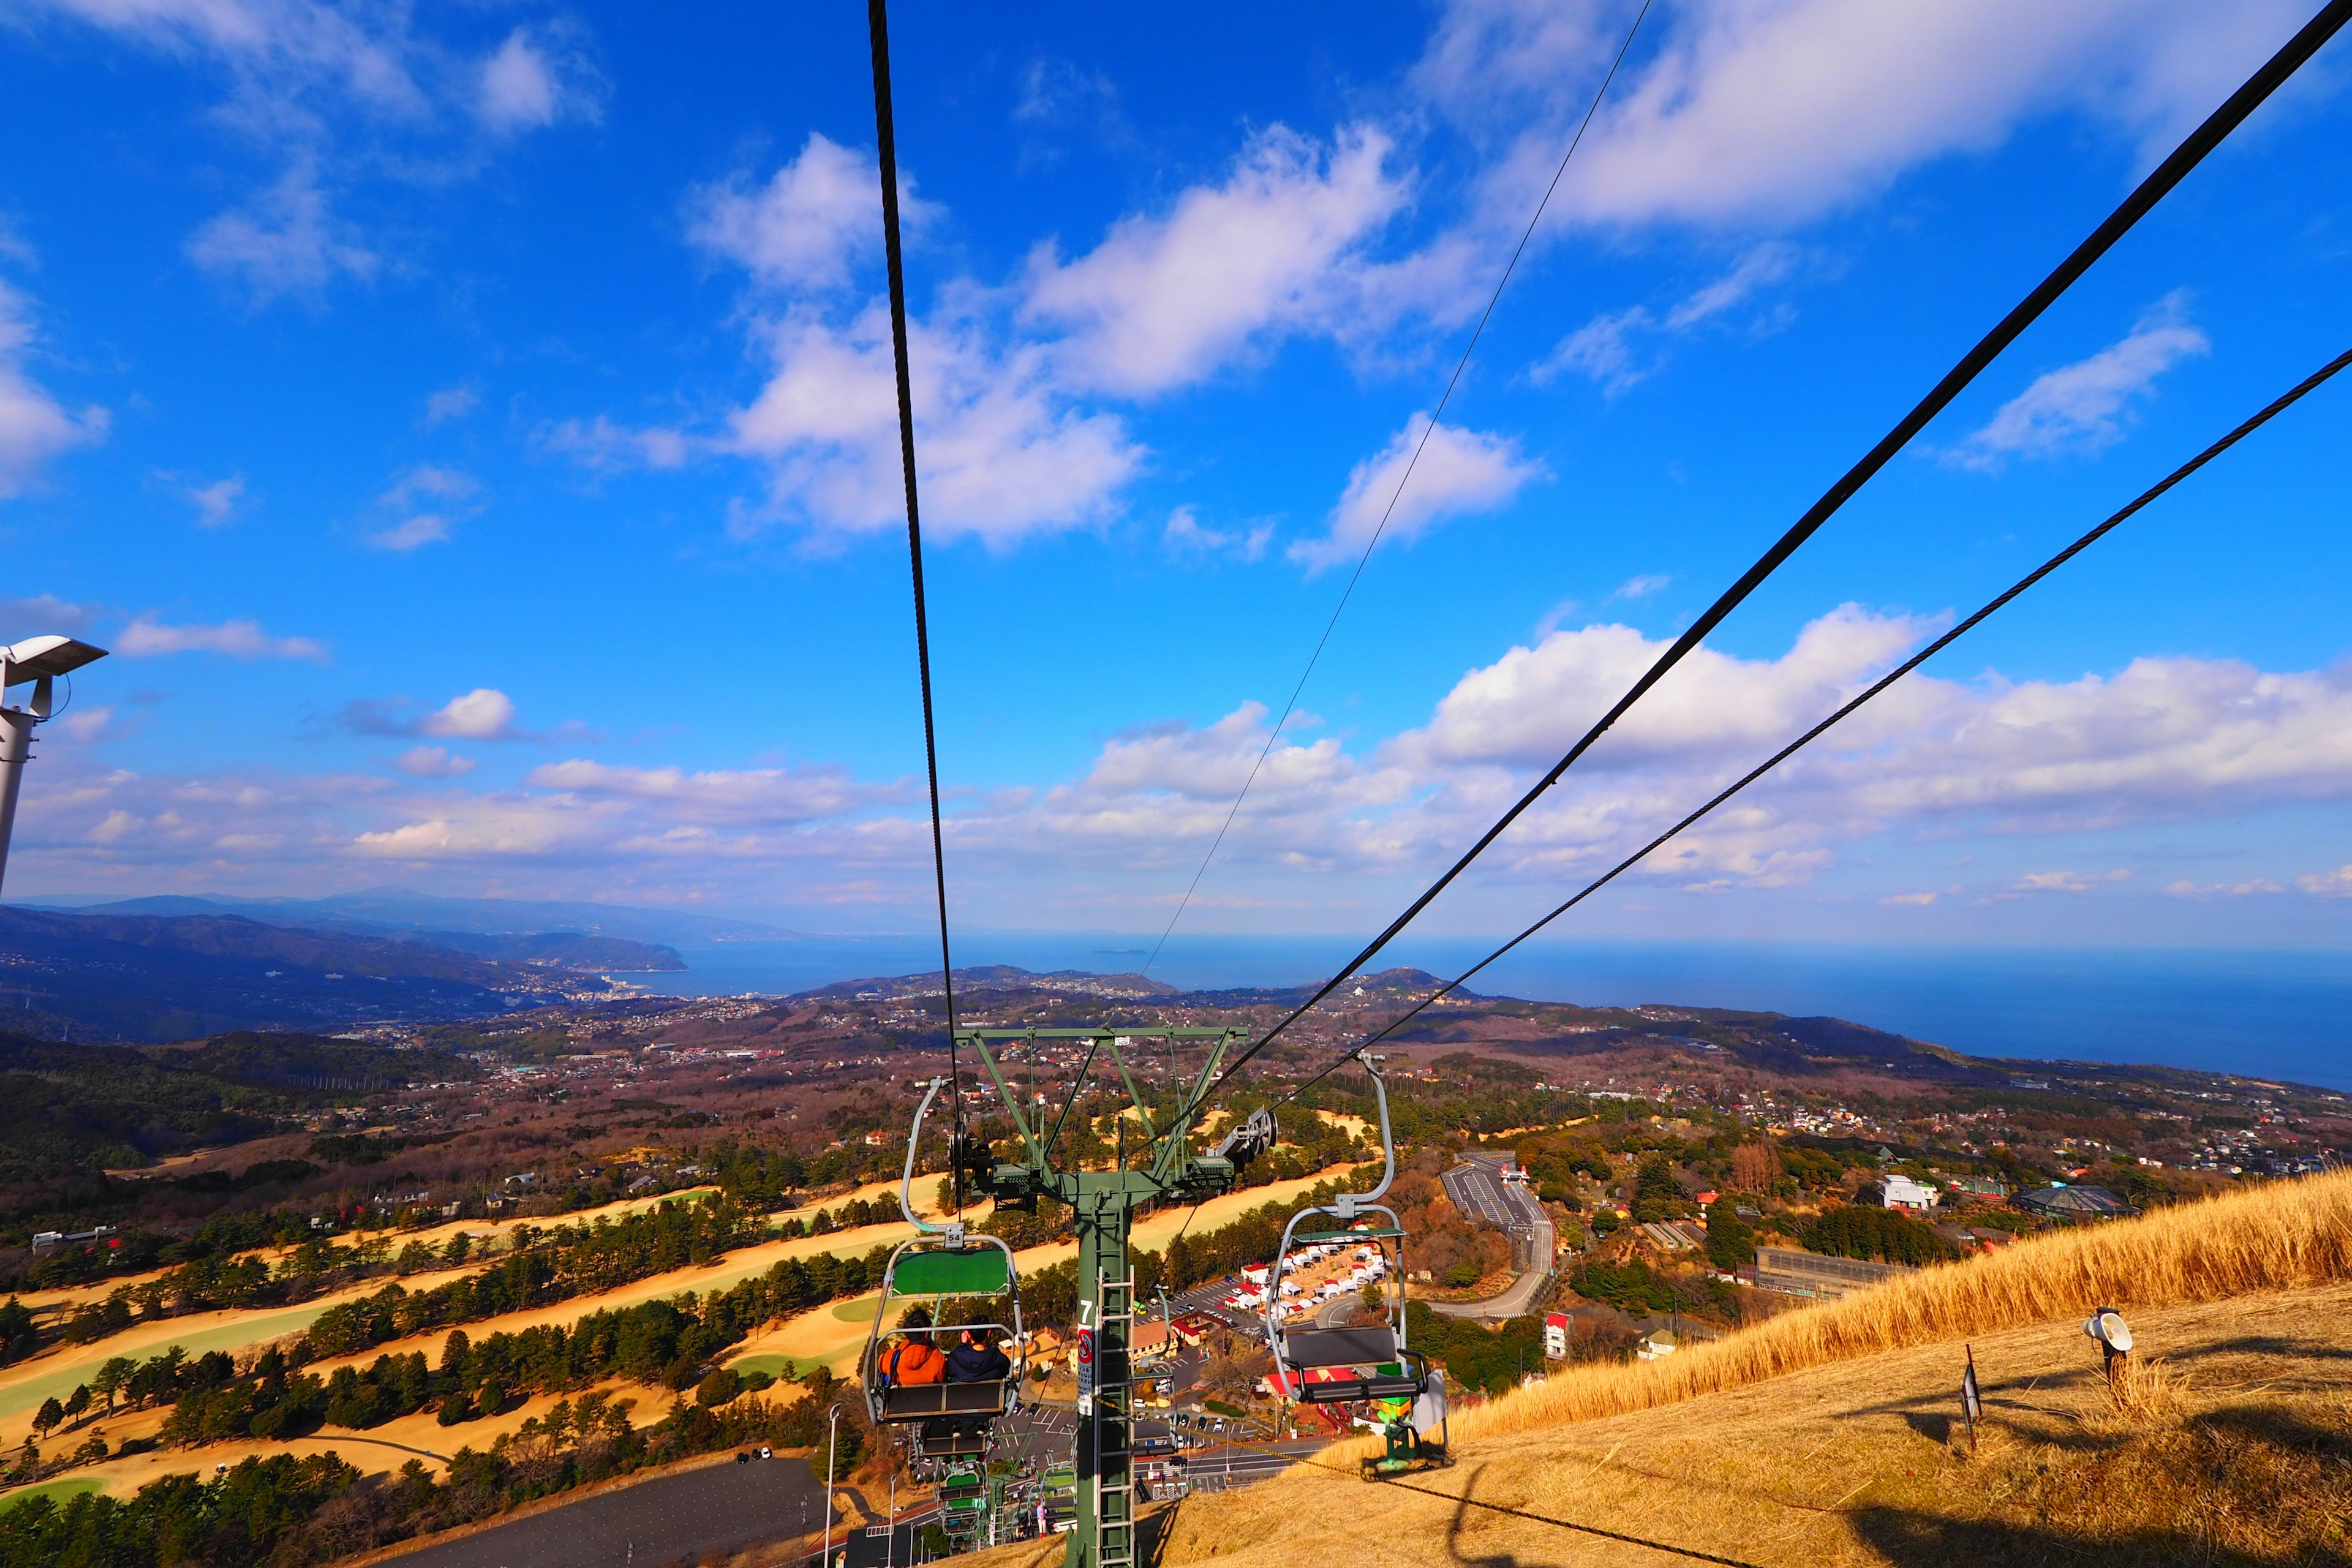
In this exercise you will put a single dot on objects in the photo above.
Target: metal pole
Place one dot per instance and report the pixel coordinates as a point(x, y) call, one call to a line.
point(890, 1541)
point(832, 1422)
point(16, 746)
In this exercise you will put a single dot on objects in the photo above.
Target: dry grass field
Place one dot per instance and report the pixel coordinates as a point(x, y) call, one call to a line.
point(1831, 1436)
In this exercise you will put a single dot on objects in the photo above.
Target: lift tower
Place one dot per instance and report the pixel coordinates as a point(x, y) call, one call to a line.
point(1162, 1167)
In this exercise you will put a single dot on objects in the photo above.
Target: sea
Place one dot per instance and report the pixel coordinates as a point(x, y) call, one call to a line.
point(2259, 1013)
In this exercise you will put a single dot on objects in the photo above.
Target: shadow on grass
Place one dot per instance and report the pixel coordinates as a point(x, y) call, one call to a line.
point(1922, 1540)
point(1469, 1505)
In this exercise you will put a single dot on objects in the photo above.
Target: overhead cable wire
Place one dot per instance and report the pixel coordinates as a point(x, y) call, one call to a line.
point(1403, 479)
point(887, 155)
point(2256, 91)
point(2279, 405)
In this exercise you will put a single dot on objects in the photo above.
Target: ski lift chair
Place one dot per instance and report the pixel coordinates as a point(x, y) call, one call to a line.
point(1365, 1361)
point(942, 1265)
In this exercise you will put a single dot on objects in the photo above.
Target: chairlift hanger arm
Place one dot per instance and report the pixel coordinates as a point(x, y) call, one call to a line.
point(1188, 1115)
point(1012, 1104)
point(906, 1179)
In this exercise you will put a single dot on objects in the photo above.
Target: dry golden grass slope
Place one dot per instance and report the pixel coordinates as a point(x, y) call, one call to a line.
point(1831, 1436)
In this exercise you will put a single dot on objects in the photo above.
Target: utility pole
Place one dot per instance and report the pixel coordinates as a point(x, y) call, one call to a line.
point(831, 1424)
point(1102, 1205)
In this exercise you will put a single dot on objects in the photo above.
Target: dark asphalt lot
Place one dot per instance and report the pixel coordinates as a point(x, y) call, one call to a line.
point(654, 1522)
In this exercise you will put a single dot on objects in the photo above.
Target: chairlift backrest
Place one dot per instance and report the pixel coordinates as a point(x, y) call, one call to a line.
point(974, 1270)
point(1370, 1346)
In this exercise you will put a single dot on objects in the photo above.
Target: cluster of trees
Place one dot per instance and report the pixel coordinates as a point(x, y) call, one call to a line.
point(1883, 1236)
point(285, 1512)
point(672, 1343)
point(19, 1336)
point(1631, 1287)
point(552, 1358)
point(1730, 1240)
point(759, 1179)
point(1658, 1193)
point(1489, 1360)
point(543, 1265)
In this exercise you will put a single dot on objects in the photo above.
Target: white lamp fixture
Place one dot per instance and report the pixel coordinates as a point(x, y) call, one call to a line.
point(39, 661)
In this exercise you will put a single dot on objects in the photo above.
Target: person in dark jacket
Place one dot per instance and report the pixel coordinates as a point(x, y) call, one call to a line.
point(975, 1359)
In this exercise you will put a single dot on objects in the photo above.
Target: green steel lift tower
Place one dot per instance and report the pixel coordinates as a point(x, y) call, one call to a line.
point(1102, 1204)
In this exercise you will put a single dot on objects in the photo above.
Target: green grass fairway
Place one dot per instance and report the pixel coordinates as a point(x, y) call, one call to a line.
point(58, 1491)
point(785, 1368)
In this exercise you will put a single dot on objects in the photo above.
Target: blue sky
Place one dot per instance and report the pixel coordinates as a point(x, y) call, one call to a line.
point(471, 430)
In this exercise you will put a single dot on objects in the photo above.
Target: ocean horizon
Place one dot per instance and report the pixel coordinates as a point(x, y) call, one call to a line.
point(2262, 1012)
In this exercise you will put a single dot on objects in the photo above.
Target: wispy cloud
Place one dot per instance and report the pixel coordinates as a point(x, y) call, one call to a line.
point(1458, 472)
point(2084, 406)
point(424, 501)
point(147, 638)
point(452, 403)
point(1186, 534)
point(433, 762)
point(216, 501)
point(34, 426)
point(1620, 348)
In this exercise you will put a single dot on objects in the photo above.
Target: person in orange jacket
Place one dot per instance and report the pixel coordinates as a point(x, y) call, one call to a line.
point(912, 1362)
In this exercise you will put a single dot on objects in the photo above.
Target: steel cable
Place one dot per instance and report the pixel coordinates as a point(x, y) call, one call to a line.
point(2233, 112)
point(887, 155)
point(2271, 411)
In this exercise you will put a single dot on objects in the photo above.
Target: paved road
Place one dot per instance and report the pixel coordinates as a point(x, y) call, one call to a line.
point(1477, 1188)
point(669, 1518)
point(1335, 1313)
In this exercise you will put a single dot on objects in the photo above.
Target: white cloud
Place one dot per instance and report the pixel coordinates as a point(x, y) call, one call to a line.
point(1643, 585)
point(1606, 348)
point(1334, 824)
point(429, 496)
point(283, 242)
point(735, 798)
point(1458, 472)
point(147, 638)
point(86, 724)
point(216, 503)
point(604, 447)
point(1186, 534)
point(433, 762)
point(451, 403)
point(1763, 266)
point(411, 533)
point(2082, 407)
point(484, 713)
point(1528, 707)
point(338, 87)
point(520, 87)
point(1601, 350)
point(2065, 882)
point(815, 217)
point(1165, 301)
point(1775, 113)
point(1002, 454)
point(41, 615)
point(33, 427)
